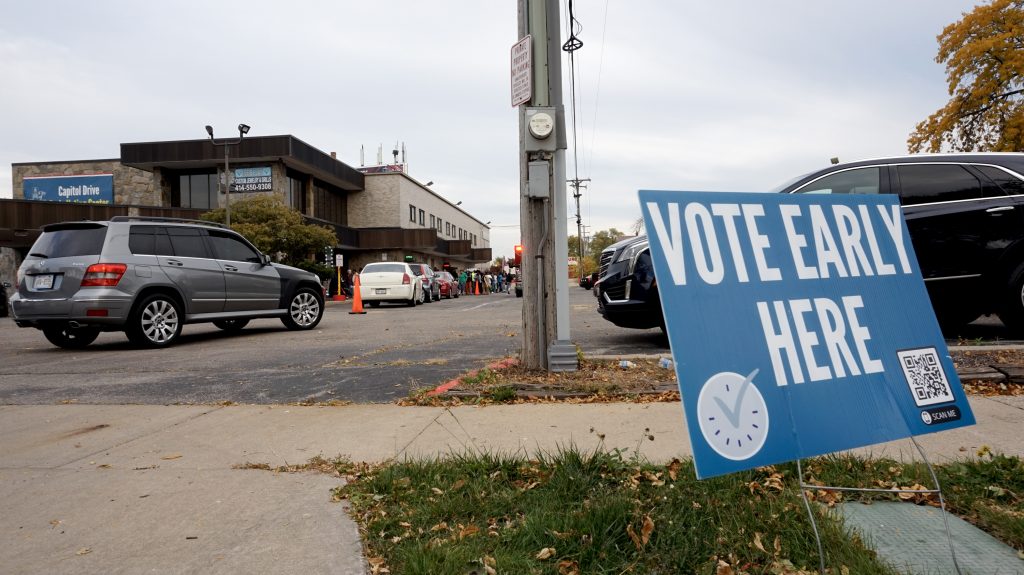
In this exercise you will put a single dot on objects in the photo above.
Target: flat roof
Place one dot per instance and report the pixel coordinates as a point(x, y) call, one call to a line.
point(186, 154)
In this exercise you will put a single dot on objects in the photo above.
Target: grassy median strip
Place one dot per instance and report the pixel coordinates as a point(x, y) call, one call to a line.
point(576, 512)
point(573, 512)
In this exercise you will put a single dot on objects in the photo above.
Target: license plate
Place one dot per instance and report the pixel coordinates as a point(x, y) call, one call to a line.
point(44, 281)
point(380, 291)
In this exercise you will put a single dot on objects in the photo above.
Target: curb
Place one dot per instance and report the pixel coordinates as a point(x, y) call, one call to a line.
point(507, 362)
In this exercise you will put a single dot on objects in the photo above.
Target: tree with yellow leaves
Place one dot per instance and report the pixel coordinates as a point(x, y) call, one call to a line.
point(984, 57)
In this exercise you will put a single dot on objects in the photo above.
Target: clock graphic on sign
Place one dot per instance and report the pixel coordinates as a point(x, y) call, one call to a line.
point(732, 415)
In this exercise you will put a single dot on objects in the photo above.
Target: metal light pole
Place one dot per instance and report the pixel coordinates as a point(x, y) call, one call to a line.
point(243, 129)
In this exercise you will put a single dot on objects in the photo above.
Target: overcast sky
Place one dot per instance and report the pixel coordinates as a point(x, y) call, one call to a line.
point(695, 95)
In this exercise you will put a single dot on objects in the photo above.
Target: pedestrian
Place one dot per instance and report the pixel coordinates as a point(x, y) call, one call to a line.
point(500, 282)
point(487, 283)
point(462, 282)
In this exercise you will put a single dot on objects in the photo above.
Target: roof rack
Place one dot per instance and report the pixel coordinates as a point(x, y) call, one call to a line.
point(168, 220)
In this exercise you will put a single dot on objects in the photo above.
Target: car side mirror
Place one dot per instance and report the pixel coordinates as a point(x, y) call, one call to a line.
point(264, 260)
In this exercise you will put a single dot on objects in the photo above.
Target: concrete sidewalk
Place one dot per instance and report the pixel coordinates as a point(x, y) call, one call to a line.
point(126, 489)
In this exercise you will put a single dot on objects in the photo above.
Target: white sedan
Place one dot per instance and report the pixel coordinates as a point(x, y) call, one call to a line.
point(390, 282)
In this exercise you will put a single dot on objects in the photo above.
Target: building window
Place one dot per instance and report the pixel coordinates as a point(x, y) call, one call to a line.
point(197, 191)
point(448, 229)
point(295, 197)
point(329, 203)
point(412, 213)
point(474, 239)
point(433, 221)
point(421, 218)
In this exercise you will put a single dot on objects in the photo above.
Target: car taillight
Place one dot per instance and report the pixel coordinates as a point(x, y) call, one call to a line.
point(103, 275)
point(405, 279)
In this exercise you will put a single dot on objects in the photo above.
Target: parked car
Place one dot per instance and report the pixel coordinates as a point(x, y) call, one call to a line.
point(965, 215)
point(964, 212)
point(431, 289)
point(149, 277)
point(390, 282)
point(4, 286)
point(587, 280)
point(448, 285)
point(627, 291)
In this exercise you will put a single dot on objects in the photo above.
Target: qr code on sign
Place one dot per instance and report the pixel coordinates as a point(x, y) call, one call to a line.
point(927, 380)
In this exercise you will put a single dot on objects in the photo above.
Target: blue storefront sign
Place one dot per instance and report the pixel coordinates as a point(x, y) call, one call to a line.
point(800, 325)
point(253, 179)
point(90, 189)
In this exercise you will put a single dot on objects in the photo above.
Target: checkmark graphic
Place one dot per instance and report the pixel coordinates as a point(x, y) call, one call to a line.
point(733, 414)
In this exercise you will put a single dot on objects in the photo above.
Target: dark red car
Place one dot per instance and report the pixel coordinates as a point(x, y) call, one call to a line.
point(448, 284)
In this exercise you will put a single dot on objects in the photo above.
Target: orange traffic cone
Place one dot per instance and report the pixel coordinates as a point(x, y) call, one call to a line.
point(357, 297)
point(477, 288)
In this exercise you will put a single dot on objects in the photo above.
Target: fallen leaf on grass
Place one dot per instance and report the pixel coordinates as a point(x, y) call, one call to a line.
point(440, 526)
point(568, 568)
point(724, 568)
point(673, 469)
point(546, 553)
point(467, 531)
point(645, 533)
point(377, 565)
point(758, 544)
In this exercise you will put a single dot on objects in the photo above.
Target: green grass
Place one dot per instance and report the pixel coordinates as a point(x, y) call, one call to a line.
point(596, 513)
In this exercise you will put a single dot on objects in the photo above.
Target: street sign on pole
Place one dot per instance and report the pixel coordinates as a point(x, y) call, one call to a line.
point(522, 71)
point(799, 324)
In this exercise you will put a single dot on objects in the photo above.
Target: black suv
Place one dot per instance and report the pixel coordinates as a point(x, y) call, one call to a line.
point(965, 214)
point(627, 293)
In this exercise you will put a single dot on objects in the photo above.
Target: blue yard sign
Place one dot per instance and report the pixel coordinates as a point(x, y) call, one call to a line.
point(87, 189)
point(799, 324)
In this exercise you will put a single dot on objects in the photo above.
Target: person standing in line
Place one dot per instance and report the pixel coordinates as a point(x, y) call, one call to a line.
point(462, 282)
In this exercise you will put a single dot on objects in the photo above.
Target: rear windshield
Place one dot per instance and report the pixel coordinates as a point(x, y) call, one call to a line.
point(70, 241)
point(379, 268)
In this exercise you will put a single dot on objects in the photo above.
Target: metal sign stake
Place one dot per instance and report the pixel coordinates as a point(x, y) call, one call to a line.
point(938, 490)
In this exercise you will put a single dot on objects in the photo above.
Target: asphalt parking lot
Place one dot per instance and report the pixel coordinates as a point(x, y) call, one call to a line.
point(377, 357)
point(381, 356)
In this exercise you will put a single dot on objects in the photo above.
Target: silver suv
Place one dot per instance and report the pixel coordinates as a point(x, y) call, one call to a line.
point(150, 276)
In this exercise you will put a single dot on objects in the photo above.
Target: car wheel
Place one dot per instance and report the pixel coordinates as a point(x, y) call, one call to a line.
point(71, 338)
point(231, 324)
point(305, 310)
point(420, 296)
point(427, 296)
point(156, 322)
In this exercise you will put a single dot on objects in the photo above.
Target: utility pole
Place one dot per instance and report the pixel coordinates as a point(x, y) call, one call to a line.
point(543, 211)
point(577, 184)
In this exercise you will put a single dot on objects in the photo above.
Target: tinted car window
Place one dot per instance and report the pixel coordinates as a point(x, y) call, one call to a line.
point(70, 241)
point(231, 247)
point(381, 268)
point(149, 240)
point(187, 243)
point(856, 181)
point(924, 183)
point(1009, 183)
